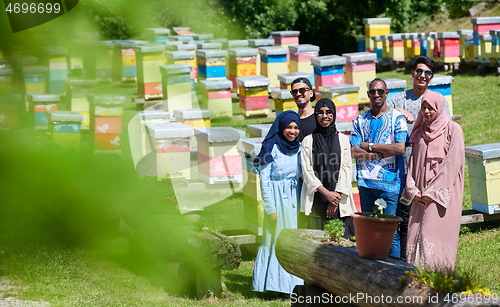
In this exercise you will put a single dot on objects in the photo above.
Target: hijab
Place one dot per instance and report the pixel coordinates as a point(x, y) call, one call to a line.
point(275, 136)
point(326, 152)
point(433, 132)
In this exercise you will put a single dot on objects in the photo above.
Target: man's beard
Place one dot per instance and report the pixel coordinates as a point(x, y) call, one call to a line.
point(301, 105)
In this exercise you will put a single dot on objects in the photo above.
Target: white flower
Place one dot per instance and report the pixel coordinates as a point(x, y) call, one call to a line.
point(381, 204)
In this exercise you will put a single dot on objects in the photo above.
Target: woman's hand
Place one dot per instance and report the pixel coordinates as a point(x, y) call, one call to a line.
point(332, 197)
point(331, 209)
point(425, 200)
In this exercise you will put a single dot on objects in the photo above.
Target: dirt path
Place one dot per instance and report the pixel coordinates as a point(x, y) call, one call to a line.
point(6, 289)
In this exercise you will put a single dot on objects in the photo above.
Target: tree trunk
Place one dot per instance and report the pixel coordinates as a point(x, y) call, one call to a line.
point(352, 279)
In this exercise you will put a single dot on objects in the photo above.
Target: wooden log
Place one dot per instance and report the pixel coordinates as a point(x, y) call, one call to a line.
point(352, 279)
point(473, 216)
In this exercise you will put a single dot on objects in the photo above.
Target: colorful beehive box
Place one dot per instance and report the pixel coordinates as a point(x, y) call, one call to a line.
point(377, 47)
point(235, 43)
point(33, 80)
point(6, 82)
point(285, 38)
point(360, 68)
point(183, 57)
point(396, 47)
point(394, 86)
point(423, 38)
point(211, 64)
point(217, 97)
point(124, 61)
point(56, 58)
point(156, 34)
point(346, 98)
point(252, 196)
point(141, 119)
point(375, 27)
point(283, 101)
point(300, 58)
point(65, 127)
point(386, 49)
point(274, 61)
point(98, 60)
point(149, 59)
point(253, 95)
point(258, 130)
point(416, 46)
point(256, 43)
point(328, 70)
point(194, 118)
point(242, 63)
point(464, 35)
point(495, 49)
point(10, 110)
point(408, 47)
point(182, 30)
point(485, 41)
point(442, 84)
point(204, 36)
point(76, 98)
point(106, 111)
point(38, 104)
point(450, 47)
point(484, 174)
point(432, 44)
point(177, 87)
point(287, 79)
point(360, 40)
point(170, 141)
point(218, 157)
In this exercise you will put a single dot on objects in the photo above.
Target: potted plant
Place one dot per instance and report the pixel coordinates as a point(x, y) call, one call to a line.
point(375, 231)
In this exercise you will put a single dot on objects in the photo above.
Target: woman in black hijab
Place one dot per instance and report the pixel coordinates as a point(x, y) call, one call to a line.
point(326, 166)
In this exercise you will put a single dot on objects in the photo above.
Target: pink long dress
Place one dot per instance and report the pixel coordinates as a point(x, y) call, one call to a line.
point(433, 229)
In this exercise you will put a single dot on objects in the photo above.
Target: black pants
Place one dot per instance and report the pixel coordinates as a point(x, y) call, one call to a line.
point(403, 229)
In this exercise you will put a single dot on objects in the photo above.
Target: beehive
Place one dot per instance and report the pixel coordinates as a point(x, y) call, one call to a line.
point(346, 98)
point(65, 128)
point(273, 61)
point(148, 62)
point(360, 68)
point(177, 87)
point(106, 111)
point(253, 95)
point(328, 70)
point(285, 38)
point(76, 98)
point(217, 97)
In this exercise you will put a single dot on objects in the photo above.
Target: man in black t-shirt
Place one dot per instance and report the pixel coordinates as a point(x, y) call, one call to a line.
point(303, 94)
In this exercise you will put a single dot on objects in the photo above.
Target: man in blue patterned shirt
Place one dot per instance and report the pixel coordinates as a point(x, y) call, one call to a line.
point(378, 143)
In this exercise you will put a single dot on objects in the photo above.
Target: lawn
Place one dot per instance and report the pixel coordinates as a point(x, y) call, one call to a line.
point(57, 244)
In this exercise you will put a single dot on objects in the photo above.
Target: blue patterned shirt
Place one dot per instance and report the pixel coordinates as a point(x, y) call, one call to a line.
point(386, 174)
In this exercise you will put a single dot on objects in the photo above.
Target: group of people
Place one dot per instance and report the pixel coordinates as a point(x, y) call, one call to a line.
point(408, 152)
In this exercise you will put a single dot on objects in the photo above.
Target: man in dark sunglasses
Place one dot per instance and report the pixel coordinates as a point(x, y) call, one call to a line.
point(378, 142)
point(409, 103)
point(303, 94)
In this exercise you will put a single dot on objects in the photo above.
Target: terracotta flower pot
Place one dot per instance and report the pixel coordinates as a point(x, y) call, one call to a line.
point(374, 235)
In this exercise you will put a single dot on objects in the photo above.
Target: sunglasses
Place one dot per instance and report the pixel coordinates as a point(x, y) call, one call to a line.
point(427, 73)
point(379, 91)
point(301, 90)
point(329, 114)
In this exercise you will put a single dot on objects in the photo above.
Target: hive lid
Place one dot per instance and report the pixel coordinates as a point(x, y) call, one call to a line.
point(180, 55)
point(303, 48)
point(262, 42)
point(273, 50)
point(157, 31)
point(150, 48)
point(63, 116)
point(218, 40)
point(344, 126)
point(168, 130)
point(181, 38)
point(217, 84)
point(376, 20)
point(484, 151)
point(44, 98)
point(355, 57)
point(328, 60)
point(465, 31)
point(448, 35)
point(395, 83)
point(154, 114)
point(175, 69)
point(253, 81)
point(243, 52)
point(408, 35)
point(288, 78)
point(106, 99)
point(23, 60)
point(485, 20)
point(250, 146)
point(193, 114)
point(395, 37)
point(285, 33)
point(341, 88)
point(259, 130)
point(34, 69)
point(187, 47)
point(281, 94)
point(205, 36)
point(208, 46)
point(211, 53)
point(219, 134)
point(485, 37)
point(55, 50)
point(440, 80)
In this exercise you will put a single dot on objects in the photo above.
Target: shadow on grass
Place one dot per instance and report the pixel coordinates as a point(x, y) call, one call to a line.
point(479, 227)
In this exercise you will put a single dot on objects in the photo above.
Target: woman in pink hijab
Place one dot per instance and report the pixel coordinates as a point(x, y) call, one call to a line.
point(434, 186)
